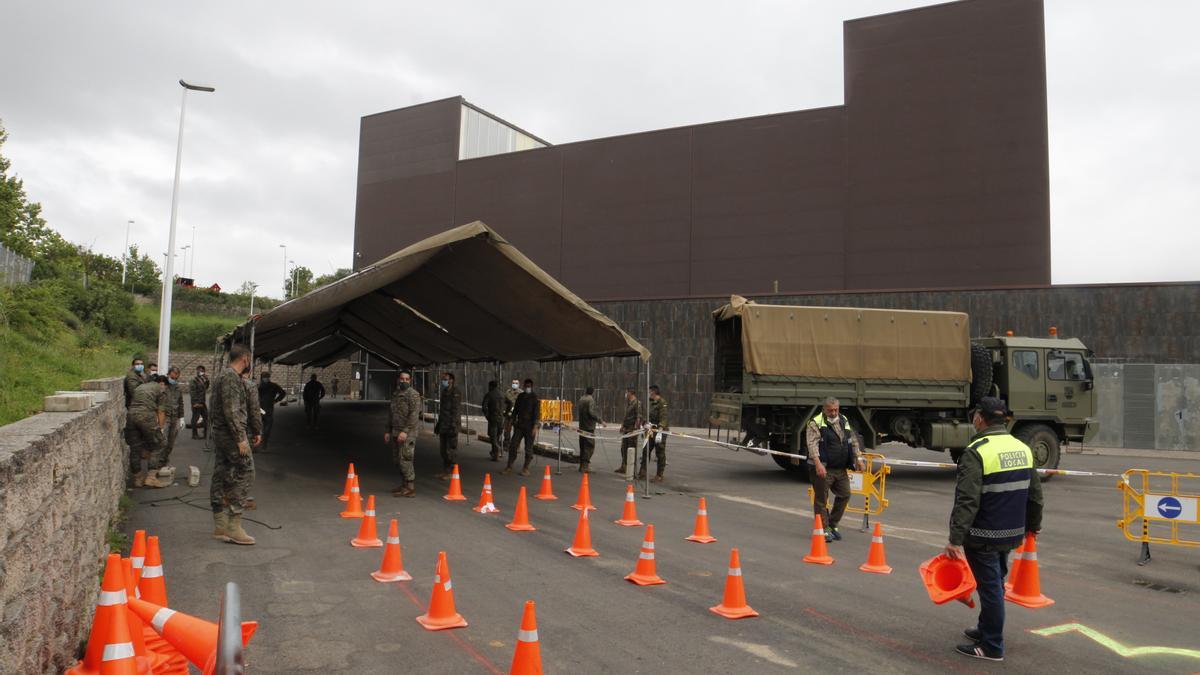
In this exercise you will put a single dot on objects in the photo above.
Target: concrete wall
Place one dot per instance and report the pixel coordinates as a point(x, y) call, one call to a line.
point(61, 475)
point(1162, 412)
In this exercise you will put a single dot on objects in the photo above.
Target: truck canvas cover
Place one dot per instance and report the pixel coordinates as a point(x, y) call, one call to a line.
point(851, 344)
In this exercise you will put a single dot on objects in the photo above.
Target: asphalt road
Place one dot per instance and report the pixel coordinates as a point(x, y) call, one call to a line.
point(320, 611)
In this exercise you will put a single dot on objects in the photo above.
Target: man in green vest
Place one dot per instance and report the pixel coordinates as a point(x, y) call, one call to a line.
point(997, 500)
point(833, 449)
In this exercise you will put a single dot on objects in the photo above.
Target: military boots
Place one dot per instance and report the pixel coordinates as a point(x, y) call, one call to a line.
point(220, 523)
point(234, 533)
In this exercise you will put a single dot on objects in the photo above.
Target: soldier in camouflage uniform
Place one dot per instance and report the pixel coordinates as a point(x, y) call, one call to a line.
point(631, 422)
point(585, 413)
point(657, 441)
point(493, 411)
point(158, 462)
point(404, 419)
point(510, 400)
point(143, 428)
point(446, 426)
point(198, 393)
point(233, 472)
point(133, 379)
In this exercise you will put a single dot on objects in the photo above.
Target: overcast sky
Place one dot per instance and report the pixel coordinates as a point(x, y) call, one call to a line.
point(88, 94)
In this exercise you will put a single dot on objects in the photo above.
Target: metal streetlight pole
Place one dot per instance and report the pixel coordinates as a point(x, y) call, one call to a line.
point(125, 254)
point(285, 273)
point(293, 262)
point(164, 318)
point(185, 258)
point(253, 288)
point(192, 268)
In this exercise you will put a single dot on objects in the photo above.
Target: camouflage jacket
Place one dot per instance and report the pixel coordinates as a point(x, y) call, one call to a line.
point(405, 411)
point(658, 413)
point(254, 425)
point(448, 409)
point(633, 415)
point(148, 400)
point(174, 401)
point(229, 406)
point(198, 389)
point(585, 414)
point(510, 400)
point(133, 380)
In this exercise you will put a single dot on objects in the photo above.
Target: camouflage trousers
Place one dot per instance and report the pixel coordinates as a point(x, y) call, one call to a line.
point(233, 475)
point(145, 439)
point(402, 456)
point(159, 459)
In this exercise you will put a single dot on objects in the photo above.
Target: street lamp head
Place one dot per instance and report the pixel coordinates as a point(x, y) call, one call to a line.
point(196, 87)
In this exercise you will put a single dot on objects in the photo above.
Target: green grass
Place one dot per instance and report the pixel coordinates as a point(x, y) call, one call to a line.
point(190, 331)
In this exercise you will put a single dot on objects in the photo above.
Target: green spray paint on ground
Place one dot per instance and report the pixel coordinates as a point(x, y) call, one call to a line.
point(1115, 646)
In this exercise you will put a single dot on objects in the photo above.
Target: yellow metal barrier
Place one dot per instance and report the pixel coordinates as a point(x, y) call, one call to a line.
point(552, 407)
point(871, 485)
point(1160, 507)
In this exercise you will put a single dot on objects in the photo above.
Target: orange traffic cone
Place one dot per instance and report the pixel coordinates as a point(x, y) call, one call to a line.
point(585, 496)
point(152, 586)
point(629, 516)
point(734, 606)
point(948, 579)
point(354, 506)
point(700, 533)
point(646, 574)
point(345, 496)
point(582, 546)
point(441, 614)
point(392, 568)
point(1027, 583)
point(547, 491)
point(105, 638)
point(1018, 555)
point(195, 638)
point(137, 554)
point(367, 537)
point(527, 660)
point(486, 505)
point(520, 521)
point(876, 557)
point(455, 493)
point(118, 656)
point(819, 555)
point(154, 661)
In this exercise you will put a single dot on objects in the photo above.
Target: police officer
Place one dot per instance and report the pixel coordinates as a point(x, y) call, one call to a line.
point(493, 411)
point(144, 428)
point(585, 413)
point(233, 470)
point(832, 449)
point(269, 393)
point(527, 419)
point(404, 419)
point(446, 426)
point(174, 418)
point(631, 422)
point(658, 441)
point(510, 399)
point(198, 393)
point(997, 500)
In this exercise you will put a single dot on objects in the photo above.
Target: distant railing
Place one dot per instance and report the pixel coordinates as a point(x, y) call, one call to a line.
point(14, 269)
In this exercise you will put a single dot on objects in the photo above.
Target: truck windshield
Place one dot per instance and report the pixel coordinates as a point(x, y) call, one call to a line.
point(1065, 366)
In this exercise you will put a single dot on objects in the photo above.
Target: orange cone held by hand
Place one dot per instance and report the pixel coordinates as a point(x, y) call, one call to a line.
point(547, 491)
point(345, 496)
point(819, 554)
point(700, 533)
point(392, 568)
point(629, 516)
point(520, 521)
point(367, 537)
point(486, 505)
point(354, 506)
point(948, 579)
point(442, 614)
point(734, 606)
point(1027, 583)
point(876, 557)
point(646, 574)
point(455, 493)
point(582, 546)
point(195, 638)
point(106, 640)
point(527, 660)
point(585, 496)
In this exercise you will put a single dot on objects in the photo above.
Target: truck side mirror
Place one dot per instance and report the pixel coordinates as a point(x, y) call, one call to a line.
point(1087, 385)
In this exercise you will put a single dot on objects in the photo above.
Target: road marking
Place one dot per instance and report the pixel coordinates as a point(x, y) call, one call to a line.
point(928, 537)
point(763, 652)
point(1112, 644)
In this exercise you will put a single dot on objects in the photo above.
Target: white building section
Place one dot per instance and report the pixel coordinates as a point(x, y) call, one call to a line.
point(482, 135)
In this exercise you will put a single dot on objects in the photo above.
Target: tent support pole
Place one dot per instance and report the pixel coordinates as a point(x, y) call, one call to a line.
point(646, 451)
point(562, 383)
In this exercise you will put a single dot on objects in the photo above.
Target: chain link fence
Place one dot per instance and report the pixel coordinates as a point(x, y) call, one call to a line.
point(14, 269)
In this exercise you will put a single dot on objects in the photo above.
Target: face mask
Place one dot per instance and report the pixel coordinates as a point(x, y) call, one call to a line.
point(153, 373)
point(403, 386)
point(528, 390)
point(265, 379)
point(138, 368)
point(245, 369)
point(445, 383)
point(171, 380)
point(515, 386)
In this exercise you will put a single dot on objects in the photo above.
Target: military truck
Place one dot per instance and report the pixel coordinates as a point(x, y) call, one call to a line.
point(901, 376)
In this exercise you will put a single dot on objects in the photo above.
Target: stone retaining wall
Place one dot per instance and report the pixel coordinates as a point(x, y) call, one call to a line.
point(61, 475)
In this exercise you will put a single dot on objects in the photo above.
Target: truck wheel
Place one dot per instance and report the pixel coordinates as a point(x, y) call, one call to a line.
point(981, 372)
point(785, 463)
point(1042, 440)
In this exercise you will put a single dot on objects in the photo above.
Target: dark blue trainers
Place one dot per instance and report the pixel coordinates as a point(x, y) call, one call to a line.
point(976, 651)
point(837, 534)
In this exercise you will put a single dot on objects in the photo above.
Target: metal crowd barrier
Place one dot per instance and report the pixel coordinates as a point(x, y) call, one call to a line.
point(871, 485)
point(1161, 508)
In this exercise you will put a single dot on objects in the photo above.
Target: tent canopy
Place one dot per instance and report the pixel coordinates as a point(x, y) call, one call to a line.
point(463, 295)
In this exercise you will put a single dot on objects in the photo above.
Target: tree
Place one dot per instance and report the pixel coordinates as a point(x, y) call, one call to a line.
point(326, 279)
point(246, 288)
point(303, 282)
point(143, 274)
point(23, 229)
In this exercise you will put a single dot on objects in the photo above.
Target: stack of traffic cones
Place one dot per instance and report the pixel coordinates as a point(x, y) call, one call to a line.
point(520, 521)
point(354, 506)
point(152, 587)
point(646, 573)
point(1027, 583)
point(582, 546)
point(442, 614)
point(734, 606)
point(700, 533)
point(110, 645)
point(486, 505)
point(629, 517)
point(876, 557)
point(527, 660)
point(819, 555)
point(137, 635)
point(367, 537)
point(585, 496)
point(455, 493)
point(345, 496)
point(195, 638)
point(392, 568)
point(547, 491)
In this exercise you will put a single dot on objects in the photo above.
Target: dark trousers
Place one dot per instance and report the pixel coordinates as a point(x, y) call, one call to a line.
point(990, 568)
point(268, 421)
point(587, 446)
point(518, 436)
point(448, 445)
point(199, 412)
point(837, 482)
point(312, 411)
point(495, 431)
